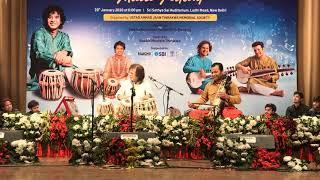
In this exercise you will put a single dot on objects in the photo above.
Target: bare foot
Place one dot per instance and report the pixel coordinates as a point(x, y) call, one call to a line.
point(244, 89)
point(278, 93)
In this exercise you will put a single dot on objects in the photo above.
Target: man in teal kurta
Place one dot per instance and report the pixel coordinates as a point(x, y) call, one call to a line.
point(50, 48)
point(43, 49)
point(201, 64)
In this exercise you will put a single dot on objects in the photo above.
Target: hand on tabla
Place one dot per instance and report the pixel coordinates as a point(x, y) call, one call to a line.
point(191, 105)
point(145, 97)
point(122, 97)
point(67, 61)
point(60, 56)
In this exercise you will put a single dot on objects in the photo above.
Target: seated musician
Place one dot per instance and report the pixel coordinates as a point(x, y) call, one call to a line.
point(136, 83)
point(217, 93)
point(50, 47)
point(117, 65)
point(265, 85)
point(201, 64)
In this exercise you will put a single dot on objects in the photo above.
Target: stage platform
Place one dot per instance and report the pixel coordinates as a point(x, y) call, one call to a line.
point(58, 168)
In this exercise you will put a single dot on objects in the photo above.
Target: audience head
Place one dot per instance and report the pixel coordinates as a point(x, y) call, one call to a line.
point(316, 103)
point(34, 106)
point(297, 97)
point(6, 105)
point(270, 108)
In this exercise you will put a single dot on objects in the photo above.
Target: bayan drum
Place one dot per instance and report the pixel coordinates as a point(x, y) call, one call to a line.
point(51, 83)
point(124, 107)
point(112, 87)
point(82, 79)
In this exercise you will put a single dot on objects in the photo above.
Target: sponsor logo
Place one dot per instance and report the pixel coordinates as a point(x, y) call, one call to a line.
point(144, 53)
point(160, 53)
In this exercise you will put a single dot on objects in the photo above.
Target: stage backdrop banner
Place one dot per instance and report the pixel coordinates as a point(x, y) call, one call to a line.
point(161, 35)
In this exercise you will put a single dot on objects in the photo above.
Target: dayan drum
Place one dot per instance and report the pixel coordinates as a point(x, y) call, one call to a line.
point(147, 107)
point(124, 107)
point(51, 83)
point(105, 108)
point(112, 87)
point(84, 81)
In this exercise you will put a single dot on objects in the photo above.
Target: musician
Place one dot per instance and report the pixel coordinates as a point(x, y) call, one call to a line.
point(50, 47)
point(201, 64)
point(136, 83)
point(265, 85)
point(33, 106)
point(315, 110)
point(298, 108)
point(229, 96)
point(117, 66)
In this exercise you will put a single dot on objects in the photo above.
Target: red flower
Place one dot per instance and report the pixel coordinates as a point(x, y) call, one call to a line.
point(266, 160)
point(4, 154)
point(58, 128)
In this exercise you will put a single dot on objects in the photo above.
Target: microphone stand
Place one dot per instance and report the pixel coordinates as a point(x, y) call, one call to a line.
point(168, 89)
point(133, 93)
point(93, 83)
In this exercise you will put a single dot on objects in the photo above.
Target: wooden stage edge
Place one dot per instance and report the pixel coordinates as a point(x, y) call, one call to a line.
point(173, 163)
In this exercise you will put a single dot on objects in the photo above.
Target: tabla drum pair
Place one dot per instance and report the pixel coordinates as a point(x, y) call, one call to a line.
point(146, 107)
point(51, 84)
point(86, 81)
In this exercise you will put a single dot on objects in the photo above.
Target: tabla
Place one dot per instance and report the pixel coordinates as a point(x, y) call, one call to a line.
point(112, 87)
point(124, 107)
point(51, 83)
point(146, 107)
point(82, 79)
point(105, 108)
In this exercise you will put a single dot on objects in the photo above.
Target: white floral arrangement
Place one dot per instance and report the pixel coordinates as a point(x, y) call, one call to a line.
point(10, 120)
point(81, 151)
point(176, 130)
point(107, 123)
point(25, 151)
point(295, 164)
point(307, 131)
point(35, 126)
point(149, 124)
point(149, 152)
point(232, 153)
point(81, 127)
point(242, 125)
